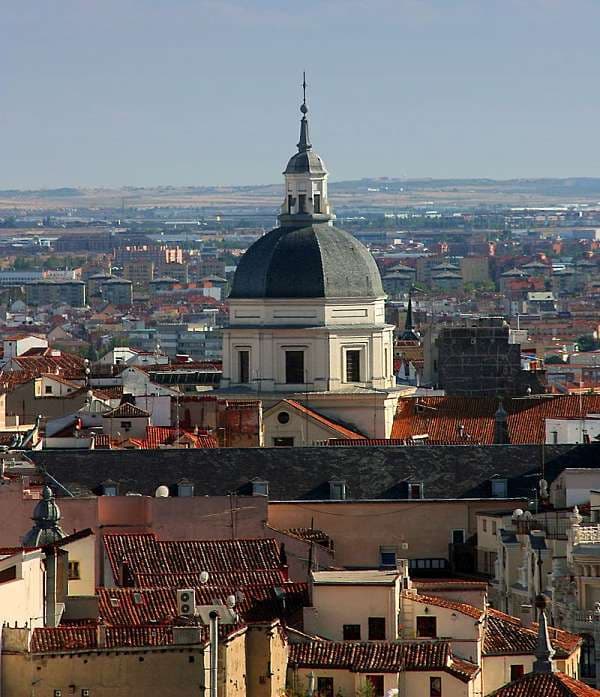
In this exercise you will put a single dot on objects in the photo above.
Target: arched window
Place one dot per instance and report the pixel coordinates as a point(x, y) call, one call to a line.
point(588, 657)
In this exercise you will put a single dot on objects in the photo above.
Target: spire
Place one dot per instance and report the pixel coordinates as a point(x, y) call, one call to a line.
point(304, 142)
point(501, 436)
point(408, 325)
point(543, 650)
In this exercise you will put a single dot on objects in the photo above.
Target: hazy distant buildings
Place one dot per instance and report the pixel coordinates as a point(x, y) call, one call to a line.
point(53, 292)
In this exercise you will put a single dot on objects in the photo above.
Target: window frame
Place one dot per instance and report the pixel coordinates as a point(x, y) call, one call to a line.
point(351, 629)
point(73, 570)
point(375, 626)
point(289, 369)
point(323, 691)
point(517, 671)
point(426, 619)
point(243, 355)
point(435, 686)
point(357, 353)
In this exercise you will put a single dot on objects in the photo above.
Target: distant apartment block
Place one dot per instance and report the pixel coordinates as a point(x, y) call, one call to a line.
point(54, 292)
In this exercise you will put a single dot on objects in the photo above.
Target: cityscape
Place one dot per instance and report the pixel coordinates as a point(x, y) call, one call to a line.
point(298, 436)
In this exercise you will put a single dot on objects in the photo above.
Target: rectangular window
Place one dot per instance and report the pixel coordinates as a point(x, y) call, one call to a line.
point(301, 203)
point(294, 367)
point(426, 627)
point(435, 687)
point(244, 366)
point(126, 425)
point(458, 537)
point(325, 687)
point(388, 558)
point(494, 527)
point(48, 389)
point(9, 574)
point(484, 525)
point(385, 362)
point(517, 670)
point(415, 491)
point(317, 202)
point(337, 490)
point(73, 571)
point(376, 628)
point(351, 632)
point(499, 488)
point(376, 684)
point(283, 442)
point(353, 366)
point(290, 204)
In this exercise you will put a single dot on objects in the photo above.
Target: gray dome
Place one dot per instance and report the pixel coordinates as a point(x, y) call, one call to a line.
point(318, 261)
point(46, 516)
point(305, 161)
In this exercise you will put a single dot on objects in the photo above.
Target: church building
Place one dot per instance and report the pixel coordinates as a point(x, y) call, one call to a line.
point(307, 315)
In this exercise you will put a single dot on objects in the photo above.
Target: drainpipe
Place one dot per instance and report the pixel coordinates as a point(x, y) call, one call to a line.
point(214, 648)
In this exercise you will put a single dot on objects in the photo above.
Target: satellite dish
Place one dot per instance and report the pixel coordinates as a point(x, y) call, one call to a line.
point(204, 577)
point(162, 492)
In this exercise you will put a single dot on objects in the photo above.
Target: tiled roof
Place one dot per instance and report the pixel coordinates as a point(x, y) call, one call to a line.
point(546, 685)
point(462, 608)
point(230, 579)
point(126, 410)
point(454, 584)
point(323, 420)
point(145, 554)
point(169, 435)
point(505, 635)
point(67, 638)
point(442, 417)
point(381, 657)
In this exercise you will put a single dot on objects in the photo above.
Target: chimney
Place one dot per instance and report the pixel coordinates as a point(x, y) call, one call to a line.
point(51, 619)
point(526, 615)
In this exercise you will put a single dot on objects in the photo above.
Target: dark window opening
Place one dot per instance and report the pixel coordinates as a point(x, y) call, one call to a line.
point(587, 660)
point(388, 559)
point(126, 425)
point(325, 687)
point(376, 684)
point(426, 627)
point(244, 366)
point(283, 442)
point(376, 628)
point(301, 203)
point(435, 687)
point(517, 671)
point(352, 366)
point(317, 202)
point(290, 204)
point(415, 491)
point(9, 574)
point(294, 367)
point(48, 389)
point(351, 632)
point(458, 537)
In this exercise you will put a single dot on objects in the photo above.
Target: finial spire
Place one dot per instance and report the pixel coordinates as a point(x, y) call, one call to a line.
point(543, 651)
point(304, 142)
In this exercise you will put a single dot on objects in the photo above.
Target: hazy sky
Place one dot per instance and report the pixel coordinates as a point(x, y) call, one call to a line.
point(193, 92)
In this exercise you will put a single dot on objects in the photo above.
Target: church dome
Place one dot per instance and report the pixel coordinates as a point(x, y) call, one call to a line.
point(305, 161)
point(317, 261)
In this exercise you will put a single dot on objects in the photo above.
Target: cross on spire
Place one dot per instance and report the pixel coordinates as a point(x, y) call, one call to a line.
point(304, 143)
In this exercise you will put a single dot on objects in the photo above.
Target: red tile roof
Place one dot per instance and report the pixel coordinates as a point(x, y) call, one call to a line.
point(462, 608)
point(381, 657)
point(546, 685)
point(505, 635)
point(229, 579)
point(442, 417)
point(323, 420)
point(144, 553)
point(170, 435)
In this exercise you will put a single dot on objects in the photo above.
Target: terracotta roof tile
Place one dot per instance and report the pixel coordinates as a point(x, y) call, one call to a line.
point(505, 635)
point(463, 608)
point(546, 685)
point(328, 423)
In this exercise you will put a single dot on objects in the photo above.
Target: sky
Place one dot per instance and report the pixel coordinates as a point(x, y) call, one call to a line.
point(206, 92)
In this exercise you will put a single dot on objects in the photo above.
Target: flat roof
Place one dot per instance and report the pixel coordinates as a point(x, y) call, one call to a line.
point(369, 577)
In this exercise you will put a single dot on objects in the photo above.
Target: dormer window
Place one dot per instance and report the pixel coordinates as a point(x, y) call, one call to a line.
point(499, 487)
point(260, 488)
point(185, 488)
point(109, 489)
point(337, 490)
point(415, 490)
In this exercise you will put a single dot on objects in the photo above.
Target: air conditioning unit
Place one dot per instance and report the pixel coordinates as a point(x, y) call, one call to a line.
point(186, 602)
point(85, 692)
point(57, 693)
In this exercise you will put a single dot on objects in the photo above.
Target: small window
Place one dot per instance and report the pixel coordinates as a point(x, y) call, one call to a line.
point(337, 491)
point(185, 489)
point(325, 687)
point(48, 389)
point(73, 571)
point(283, 417)
point(376, 682)
point(260, 488)
point(351, 632)
point(290, 203)
point(126, 425)
point(494, 527)
point(9, 574)
point(109, 489)
point(435, 687)
point(415, 491)
point(555, 437)
point(353, 366)
point(301, 203)
point(294, 367)
point(426, 627)
point(386, 366)
point(283, 442)
point(499, 488)
point(244, 367)
point(484, 525)
point(317, 203)
point(517, 670)
point(458, 537)
point(388, 558)
point(376, 628)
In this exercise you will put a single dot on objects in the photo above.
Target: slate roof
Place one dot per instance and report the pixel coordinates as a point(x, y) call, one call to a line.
point(381, 657)
point(441, 417)
point(304, 473)
point(318, 261)
point(504, 635)
point(546, 685)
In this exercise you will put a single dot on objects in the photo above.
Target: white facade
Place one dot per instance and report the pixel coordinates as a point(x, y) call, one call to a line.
point(584, 430)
